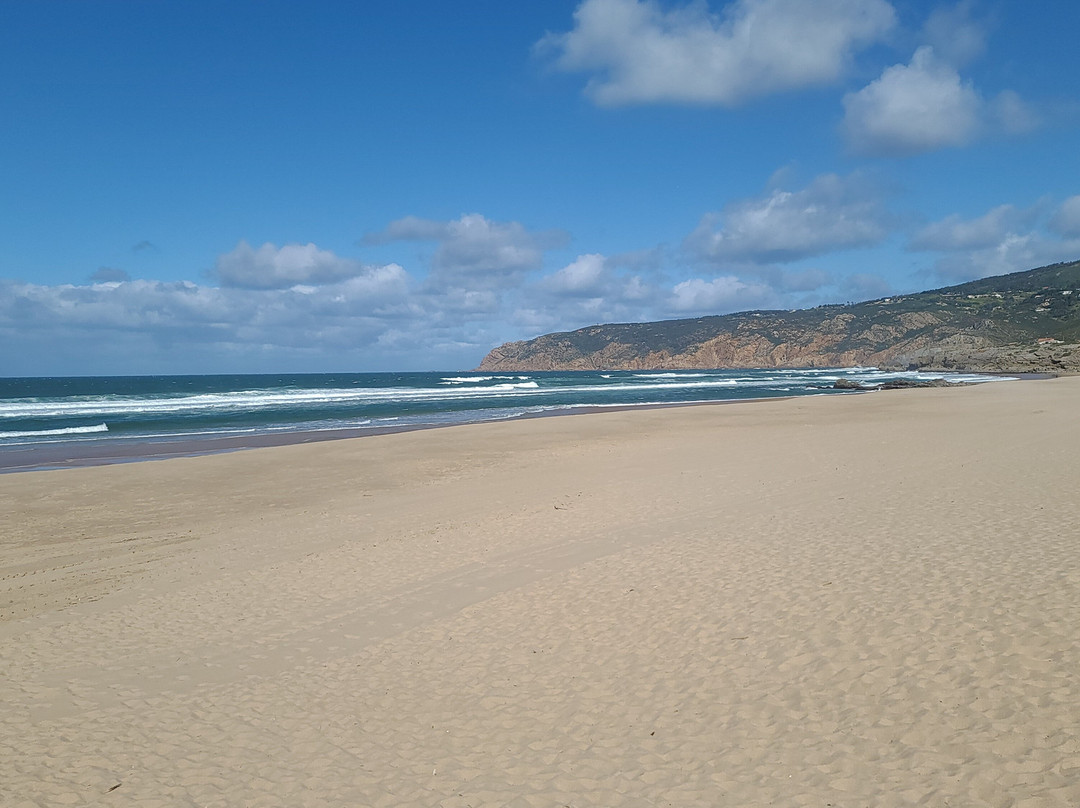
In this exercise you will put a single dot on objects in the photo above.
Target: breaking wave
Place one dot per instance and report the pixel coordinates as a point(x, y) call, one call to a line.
point(45, 433)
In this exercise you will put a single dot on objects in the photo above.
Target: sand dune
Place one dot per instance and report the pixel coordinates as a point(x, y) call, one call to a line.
point(860, 601)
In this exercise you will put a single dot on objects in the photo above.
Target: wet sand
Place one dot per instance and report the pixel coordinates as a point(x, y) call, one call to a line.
point(865, 600)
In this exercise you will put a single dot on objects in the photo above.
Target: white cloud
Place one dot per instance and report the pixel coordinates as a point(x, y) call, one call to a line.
point(956, 233)
point(832, 213)
point(1066, 221)
point(273, 267)
point(1012, 114)
point(144, 325)
point(1015, 252)
point(955, 34)
point(410, 228)
point(590, 289)
point(640, 53)
point(587, 276)
point(474, 249)
point(474, 245)
point(925, 105)
point(1004, 239)
point(146, 304)
point(912, 108)
point(456, 303)
point(718, 295)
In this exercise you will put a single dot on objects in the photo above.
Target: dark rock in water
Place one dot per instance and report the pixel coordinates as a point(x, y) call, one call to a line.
point(894, 384)
point(904, 384)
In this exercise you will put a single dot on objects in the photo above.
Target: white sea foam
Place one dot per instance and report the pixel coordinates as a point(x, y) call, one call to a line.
point(454, 391)
point(245, 400)
point(669, 375)
point(42, 433)
point(478, 379)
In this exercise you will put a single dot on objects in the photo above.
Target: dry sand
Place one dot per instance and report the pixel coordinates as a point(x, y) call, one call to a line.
point(862, 601)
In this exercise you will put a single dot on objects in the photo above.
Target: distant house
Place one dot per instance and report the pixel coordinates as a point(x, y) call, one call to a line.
point(1048, 341)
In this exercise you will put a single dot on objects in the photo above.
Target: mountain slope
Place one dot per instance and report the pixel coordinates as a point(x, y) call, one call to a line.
point(995, 318)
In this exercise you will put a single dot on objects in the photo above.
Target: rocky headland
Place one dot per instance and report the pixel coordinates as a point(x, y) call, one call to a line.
point(1025, 322)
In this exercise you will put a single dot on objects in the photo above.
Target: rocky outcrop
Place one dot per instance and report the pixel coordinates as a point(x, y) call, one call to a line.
point(894, 384)
point(1061, 359)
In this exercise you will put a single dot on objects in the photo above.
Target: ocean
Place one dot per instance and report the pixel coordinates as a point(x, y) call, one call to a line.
point(59, 422)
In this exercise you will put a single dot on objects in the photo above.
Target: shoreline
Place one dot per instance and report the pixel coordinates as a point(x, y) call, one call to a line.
point(56, 457)
point(92, 453)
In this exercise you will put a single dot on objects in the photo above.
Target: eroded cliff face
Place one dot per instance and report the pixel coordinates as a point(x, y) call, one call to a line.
point(928, 351)
point(763, 344)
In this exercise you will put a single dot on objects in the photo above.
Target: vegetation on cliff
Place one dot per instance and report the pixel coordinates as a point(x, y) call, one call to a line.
point(996, 321)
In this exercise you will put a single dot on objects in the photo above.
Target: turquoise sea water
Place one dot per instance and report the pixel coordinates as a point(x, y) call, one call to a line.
point(77, 413)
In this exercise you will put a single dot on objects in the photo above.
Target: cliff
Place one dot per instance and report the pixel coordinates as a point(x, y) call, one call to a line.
point(988, 324)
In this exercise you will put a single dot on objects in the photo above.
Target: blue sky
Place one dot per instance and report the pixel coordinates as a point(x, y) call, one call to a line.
point(331, 186)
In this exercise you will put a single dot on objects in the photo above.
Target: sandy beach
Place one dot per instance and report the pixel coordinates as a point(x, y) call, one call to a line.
point(868, 600)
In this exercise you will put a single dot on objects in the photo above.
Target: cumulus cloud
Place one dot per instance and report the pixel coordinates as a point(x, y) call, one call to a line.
point(273, 267)
point(384, 289)
point(832, 213)
point(303, 306)
point(925, 105)
point(912, 108)
point(1002, 240)
point(1066, 220)
point(637, 52)
point(293, 297)
point(588, 276)
point(1012, 114)
point(410, 228)
point(956, 233)
point(955, 34)
point(144, 303)
point(697, 296)
point(1015, 252)
point(592, 288)
point(126, 306)
point(474, 248)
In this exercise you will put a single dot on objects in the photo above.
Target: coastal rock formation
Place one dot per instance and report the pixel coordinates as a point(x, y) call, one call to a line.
point(1026, 321)
point(894, 384)
point(1048, 358)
